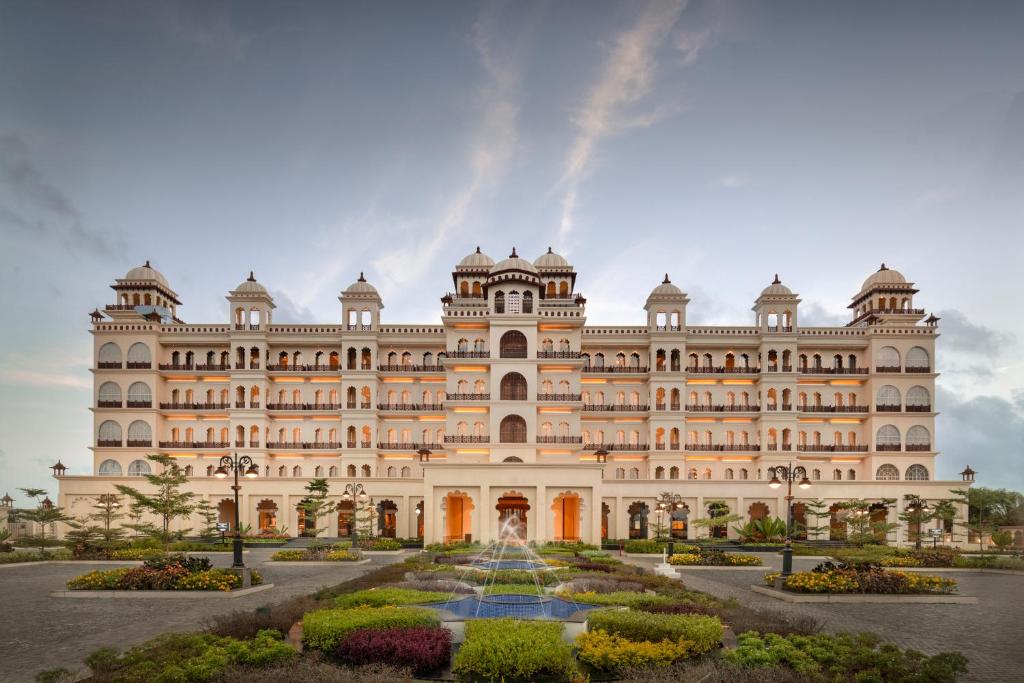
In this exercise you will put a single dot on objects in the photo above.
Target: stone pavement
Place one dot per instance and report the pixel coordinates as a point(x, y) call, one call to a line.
point(990, 634)
point(38, 632)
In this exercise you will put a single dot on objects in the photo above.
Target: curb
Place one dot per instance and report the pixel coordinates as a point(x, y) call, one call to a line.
point(864, 599)
point(161, 595)
point(702, 567)
point(314, 563)
point(959, 570)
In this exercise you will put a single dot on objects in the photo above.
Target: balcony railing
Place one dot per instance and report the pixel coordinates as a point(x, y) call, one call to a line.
point(467, 438)
point(661, 406)
point(567, 355)
point(558, 397)
point(616, 407)
point(468, 397)
point(400, 367)
point(921, 369)
point(618, 369)
point(243, 327)
point(775, 368)
point(815, 370)
point(194, 406)
point(831, 448)
point(833, 409)
point(303, 406)
point(919, 446)
point(722, 447)
point(362, 444)
point(780, 328)
point(407, 445)
point(138, 365)
point(194, 444)
point(279, 367)
point(559, 439)
point(887, 368)
point(410, 406)
point(887, 408)
point(109, 443)
point(108, 365)
point(660, 367)
point(888, 311)
point(140, 443)
point(363, 405)
point(139, 404)
point(721, 369)
point(775, 406)
point(305, 445)
point(888, 447)
point(667, 328)
point(698, 408)
point(469, 354)
point(108, 404)
point(615, 447)
point(919, 409)
point(776, 447)
point(359, 328)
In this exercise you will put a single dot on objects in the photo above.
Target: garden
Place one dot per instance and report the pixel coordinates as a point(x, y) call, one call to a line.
point(174, 573)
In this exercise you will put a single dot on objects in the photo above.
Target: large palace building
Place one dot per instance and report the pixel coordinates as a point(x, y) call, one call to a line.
point(514, 406)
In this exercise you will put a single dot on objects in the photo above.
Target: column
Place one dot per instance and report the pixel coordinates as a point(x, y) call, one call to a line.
point(482, 511)
point(701, 512)
point(402, 518)
point(616, 530)
point(540, 520)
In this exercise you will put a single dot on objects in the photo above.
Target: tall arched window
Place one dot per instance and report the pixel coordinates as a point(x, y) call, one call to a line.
point(109, 434)
point(109, 356)
point(918, 438)
point(887, 473)
point(917, 359)
point(918, 399)
point(112, 468)
point(109, 395)
point(888, 396)
point(139, 434)
point(139, 395)
point(887, 438)
point(513, 387)
point(513, 344)
point(514, 302)
point(888, 358)
point(138, 355)
point(513, 429)
point(137, 468)
point(917, 473)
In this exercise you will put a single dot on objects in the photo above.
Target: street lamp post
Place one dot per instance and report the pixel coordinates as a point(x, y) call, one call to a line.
point(789, 474)
point(356, 493)
point(236, 464)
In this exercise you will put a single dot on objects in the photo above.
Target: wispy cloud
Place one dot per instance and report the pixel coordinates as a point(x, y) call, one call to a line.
point(626, 79)
point(55, 368)
point(732, 181)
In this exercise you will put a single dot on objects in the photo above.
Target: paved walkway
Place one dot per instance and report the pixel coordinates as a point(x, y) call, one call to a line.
point(38, 632)
point(989, 634)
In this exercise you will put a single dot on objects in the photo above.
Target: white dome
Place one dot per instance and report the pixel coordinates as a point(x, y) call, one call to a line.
point(513, 262)
point(250, 286)
point(666, 288)
point(884, 276)
point(551, 260)
point(147, 272)
point(776, 288)
point(361, 286)
point(476, 260)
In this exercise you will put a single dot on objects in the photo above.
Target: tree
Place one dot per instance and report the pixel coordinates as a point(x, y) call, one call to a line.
point(316, 506)
point(817, 509)
point(209, 516)
point(168, 502)
point(365, 518)
point(718, 516)
point(45, 516)
point(916, 513)
point(861, 528)
point(1002, 539)
point(988, 509)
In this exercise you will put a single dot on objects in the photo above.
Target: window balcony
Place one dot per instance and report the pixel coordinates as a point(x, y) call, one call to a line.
point(833, 409)
point(815, 370)
point(698, 408)
point(888, 408)
point(561, 355)
point(278, 367)
point(468, 397)
point(927, 408)
point(467, 438)
point(194, 406)
point(887, 368)
point(108, 404)
point(108, 365)
point(615, 447)
point(194, 444)
point(616, 408)
point(832, 448)
point(721, 370)
point(776, 368)
point(919, 369)
point(706, 447)
point(560, 439)
point(138, 365)
point(303, 406)
point(305, 445)
point(775, 406)
point(140, 443)
point(617, 369)
point(429, 407)
point(398, 367)
point(470, 354)
point(777, 447)
point(139, 404)
point(558, 397)
point(919, 447)
point(109, 443)
point(888, 447)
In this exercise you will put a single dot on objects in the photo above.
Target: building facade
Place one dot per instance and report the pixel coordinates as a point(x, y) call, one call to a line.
point(513, 408)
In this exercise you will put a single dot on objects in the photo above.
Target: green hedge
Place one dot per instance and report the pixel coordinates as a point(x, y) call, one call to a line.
point(324, 629)
point(17, 556)
point(503, 649)
point(704, 632)
point(388, 596)
point(619, 598)
point(514, 588)
point(645, 545)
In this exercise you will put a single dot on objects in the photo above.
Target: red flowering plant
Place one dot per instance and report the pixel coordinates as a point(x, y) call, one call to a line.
point(423, 649)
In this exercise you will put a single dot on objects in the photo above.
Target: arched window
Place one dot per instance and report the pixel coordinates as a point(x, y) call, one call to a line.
point(109, 356)
point(659, 472)
point(919, 399)
point(513, 387)
point(109, 434)
point(888, 396)
point(917, 473)
point(888, 436)
point(673, 472)
point(138, 468)
point(109, 395)
point(139, 434)
point(513, 344)
point(887, 473)
point(917, 359)
point(918, 438)
point(138, 355)
point(139, 395)
point(888, 358)
point(112, 468)
point(499, 302)
point(513, 429)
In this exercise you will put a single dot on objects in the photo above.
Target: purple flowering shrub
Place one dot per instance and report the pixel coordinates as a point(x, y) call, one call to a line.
point(421, 648)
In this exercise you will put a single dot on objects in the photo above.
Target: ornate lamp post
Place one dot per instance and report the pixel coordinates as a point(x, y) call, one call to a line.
point(247, 467)
point(668, 502)
point(788, 474)
point(357, 493)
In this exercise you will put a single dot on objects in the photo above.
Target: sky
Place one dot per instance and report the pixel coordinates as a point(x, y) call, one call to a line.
point(720, 142)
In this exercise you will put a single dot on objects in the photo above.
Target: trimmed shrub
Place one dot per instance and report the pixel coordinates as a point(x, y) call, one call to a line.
point(715, 559)
point(387, 596)
point(324, 629)
point(644, 545)
point(618, 598)
point(136, 553)
point(499, 649)
point(704, 632)
point(865, 581)
point(319, 553)
point(446, 586)
point(676, 608)
point(420, 648)
point(594, 584)
point(610, 652)
point(380, 544)
point(514, 589)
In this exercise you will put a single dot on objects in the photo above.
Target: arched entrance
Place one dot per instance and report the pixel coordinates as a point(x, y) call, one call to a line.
point(306, 522)
point(679, 522)
point(419, 519)
point(512, 520)
point(266, 513)
point(757, 511)
point(800, 521)
point(458, 520)
point(606, 513)
point(638, 512)
point(387, 519)
point(566, 508)
point(226, 513)
point(836, 523)
point(718, 509)
point(346, 518)
point(879, 515)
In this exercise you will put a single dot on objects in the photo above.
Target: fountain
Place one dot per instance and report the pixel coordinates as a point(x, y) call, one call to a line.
point(539, 605)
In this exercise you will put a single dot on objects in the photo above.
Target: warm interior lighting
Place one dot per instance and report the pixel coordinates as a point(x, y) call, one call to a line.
point(560, 411)
point(699, 419)
point(555, 452)
point(810, 420)
point(549, 326)
point(216, 379)
point(470, 368)
point(738, 381)
point(470, 326)
point(845, 383)
point(397, 380)
point(288, 380)
point(593, 380)
point(470, 410)
point(738, 419)
point(325, 380)
point(810, 382)
point(472, 451)
point(432, 380)
point(180, 379)
point(432, 418)
point(702, 381)
point(555, 368)
point(845, 421)
point(625, 420)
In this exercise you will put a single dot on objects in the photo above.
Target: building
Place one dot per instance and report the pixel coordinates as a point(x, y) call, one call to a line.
point(514, 408)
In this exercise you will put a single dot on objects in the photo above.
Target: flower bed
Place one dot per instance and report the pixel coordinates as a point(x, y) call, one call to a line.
point(172, 573)
point(339, 552)
point(609, 652)
point(700, 632)
point(388, 596)
point(514, 589)
point(502, 649)
point(871, 580)
point(422, 649)
point(325, 629)
point(379, 544)
point(714, 558)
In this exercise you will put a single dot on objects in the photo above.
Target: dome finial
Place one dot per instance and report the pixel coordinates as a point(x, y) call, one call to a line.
point(549, 250)
point(478, 248)
point(252, 278)
point(882, 268)
point(666, 281)
point(147, 264)
point(776, 281)
point(513, 254)
point(362, 278)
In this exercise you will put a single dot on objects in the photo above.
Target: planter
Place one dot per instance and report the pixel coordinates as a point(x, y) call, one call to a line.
point(261, 544)
point(157, 594)
point(315, 563)
point(863, 598)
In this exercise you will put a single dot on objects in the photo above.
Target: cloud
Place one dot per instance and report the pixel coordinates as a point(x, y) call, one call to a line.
point(200, 25)
point(626, 79)
point(815, 314)
point(43, 210)
point(288, 311)
point(985, 432)
point(732, 181)
point(45, 370)
point(960, 334)
point(43, 378)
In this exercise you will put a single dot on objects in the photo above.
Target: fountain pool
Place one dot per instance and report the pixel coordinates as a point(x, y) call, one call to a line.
point(513, 605)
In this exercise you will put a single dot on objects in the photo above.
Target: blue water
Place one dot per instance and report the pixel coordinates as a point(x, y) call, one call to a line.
point(509, 564)
point(519, 606)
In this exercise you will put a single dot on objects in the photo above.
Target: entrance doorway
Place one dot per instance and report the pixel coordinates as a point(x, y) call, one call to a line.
point(387, 519)
point(638, 513)
point(266, 512)
point(512, 508)
point(346, 518)
point(226, 513)
point(567, 517)
point(679, 521)
point(458, 520)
